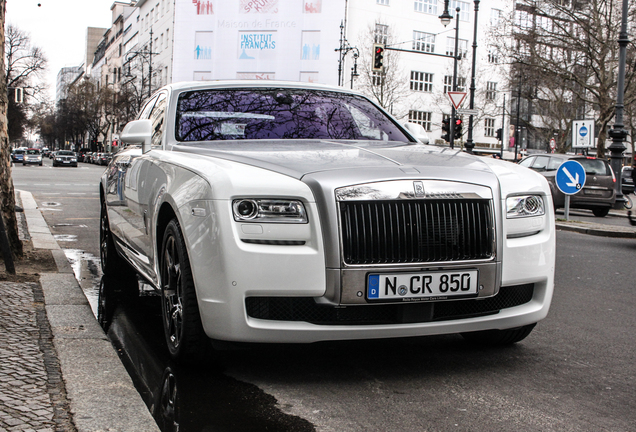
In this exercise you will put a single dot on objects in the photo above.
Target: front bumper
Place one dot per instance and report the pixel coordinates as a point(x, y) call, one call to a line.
point(229, 274)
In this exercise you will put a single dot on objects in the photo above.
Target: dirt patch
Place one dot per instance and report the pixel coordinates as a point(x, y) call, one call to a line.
point(29, 267)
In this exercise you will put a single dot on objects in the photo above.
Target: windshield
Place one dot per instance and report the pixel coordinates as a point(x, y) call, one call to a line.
point(595, 166)
point(265, 114)
point(65, 153)
point(33, 152)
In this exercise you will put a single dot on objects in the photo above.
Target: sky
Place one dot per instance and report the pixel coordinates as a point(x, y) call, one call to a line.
point(59, 28)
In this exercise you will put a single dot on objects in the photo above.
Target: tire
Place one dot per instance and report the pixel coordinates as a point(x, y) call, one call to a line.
point(600, 211)
point(182, 326)
point(113, 265)
point(499, 337)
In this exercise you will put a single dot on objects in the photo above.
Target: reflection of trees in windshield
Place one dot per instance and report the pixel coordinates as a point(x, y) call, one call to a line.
point(280, 114)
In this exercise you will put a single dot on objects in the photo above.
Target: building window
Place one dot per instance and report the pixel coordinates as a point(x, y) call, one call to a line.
point(448, 83)
point(381, 33)
point(422, 118)
point(377, 78)
point(496, 16)
point(426, 6)
point(464, 10)
point(491, 90)
point(492, 56)
point(382, 2)
point(421, 81)
point(424, 42)
point(489, 127)
point(462, 47)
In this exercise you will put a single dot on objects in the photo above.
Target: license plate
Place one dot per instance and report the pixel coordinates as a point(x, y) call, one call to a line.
point(593, 192)
point(426, 286)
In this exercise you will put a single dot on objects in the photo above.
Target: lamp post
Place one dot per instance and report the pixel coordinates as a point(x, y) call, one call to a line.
point(446, 18)
point(618, 132)
point(469, 141)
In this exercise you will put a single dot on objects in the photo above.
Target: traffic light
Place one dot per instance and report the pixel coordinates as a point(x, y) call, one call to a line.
point(378, 57)
point(458, 129)
point(446, 129)
point(499, 134)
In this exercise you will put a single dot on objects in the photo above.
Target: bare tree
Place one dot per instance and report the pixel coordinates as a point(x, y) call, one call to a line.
point(388, 86)
point(23, 69)
point(7, 193)
point(573, 45)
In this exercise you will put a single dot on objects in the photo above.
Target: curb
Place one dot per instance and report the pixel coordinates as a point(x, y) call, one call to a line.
point(101, 394)
point(596, 230)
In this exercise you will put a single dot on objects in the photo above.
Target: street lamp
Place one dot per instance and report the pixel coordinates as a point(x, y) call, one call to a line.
point(618, 132)
point(446, 18)
point(469, 141)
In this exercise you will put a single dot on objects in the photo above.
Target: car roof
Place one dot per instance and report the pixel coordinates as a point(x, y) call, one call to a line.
point(203, 85)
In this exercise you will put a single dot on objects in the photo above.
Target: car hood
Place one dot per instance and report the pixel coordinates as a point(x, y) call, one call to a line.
point(321, 158)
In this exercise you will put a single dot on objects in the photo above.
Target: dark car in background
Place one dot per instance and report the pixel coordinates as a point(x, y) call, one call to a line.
point(104, 158)
point(597, 195)
point(65, 158)
point(17, 156)
point(81, 154)
point(627, 180)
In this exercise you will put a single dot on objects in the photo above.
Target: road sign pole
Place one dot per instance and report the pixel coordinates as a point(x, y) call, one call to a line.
point(567, 208)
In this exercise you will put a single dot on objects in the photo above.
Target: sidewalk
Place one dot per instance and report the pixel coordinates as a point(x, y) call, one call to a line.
point(597, 228)
point(59, 372)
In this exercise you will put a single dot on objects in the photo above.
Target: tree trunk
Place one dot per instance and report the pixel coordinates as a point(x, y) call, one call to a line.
point(7, 193)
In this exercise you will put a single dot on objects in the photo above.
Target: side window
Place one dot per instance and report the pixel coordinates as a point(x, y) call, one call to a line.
point(527, 162)
point(145, 112)
point(541, 163)
point(157, 117)
point(554, 164)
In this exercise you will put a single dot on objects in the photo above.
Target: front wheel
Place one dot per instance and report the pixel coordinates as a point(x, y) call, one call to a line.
point(182, 326)
point(499, 337)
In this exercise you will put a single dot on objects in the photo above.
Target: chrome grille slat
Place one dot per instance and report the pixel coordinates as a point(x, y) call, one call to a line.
point(412, 231)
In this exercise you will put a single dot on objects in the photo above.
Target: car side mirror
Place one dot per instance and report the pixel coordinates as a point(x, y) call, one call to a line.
point(417, 131)
point(138, 132)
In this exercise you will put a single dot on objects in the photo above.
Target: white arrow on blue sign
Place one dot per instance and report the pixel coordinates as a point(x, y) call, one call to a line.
point(570, 177)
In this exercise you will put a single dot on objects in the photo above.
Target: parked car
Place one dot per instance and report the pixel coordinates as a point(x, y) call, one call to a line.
point(291, 212)
point(95, 157)
point(627, 180)
point(32, 156)
point(17, 156)
point(104, 158)
point(65, 158)
point(82, 153)
point(598, 193)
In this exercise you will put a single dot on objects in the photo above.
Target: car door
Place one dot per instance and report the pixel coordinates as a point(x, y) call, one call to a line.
point(122, 201)
point(142, 189)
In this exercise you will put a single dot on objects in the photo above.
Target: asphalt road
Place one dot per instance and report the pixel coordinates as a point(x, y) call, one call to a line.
point(69, 200)
point(575, 372)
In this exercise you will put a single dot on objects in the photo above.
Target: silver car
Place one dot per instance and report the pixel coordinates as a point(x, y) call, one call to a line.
point(294, 213)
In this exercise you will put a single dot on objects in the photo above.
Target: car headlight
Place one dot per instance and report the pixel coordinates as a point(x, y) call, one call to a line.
point(73, 160)
point(269, 210)
point(524, 206)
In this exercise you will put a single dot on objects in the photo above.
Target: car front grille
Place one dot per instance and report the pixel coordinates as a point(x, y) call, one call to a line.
point(412, 231)
point(305, 309)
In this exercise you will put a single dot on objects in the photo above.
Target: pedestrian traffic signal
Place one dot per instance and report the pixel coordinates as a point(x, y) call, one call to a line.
point(458, 129)
point(499, 134)
point(378, 57)
point(446, 129)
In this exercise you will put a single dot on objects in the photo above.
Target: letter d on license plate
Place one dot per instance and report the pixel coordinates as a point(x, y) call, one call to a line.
point(423, 286)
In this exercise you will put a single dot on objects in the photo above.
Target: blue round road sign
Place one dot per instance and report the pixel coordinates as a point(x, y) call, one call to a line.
point(570, 177)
